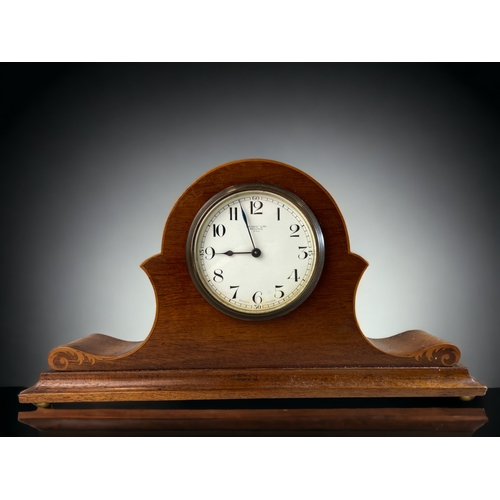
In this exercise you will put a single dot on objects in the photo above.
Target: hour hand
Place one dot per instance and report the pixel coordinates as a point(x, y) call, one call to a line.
point(230, 252)
point(255, 253)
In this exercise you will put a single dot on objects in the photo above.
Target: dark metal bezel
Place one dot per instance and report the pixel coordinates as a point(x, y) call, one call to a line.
point(317, 235)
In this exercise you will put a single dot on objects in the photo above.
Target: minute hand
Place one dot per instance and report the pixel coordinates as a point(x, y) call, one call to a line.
point(246, 224)
point(256, 251)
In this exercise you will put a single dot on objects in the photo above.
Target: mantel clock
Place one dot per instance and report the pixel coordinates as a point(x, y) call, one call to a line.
point(255, 289)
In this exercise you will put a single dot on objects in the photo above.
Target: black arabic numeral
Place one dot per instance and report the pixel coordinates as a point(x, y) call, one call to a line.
point(278, 291)
point(295, 229)
point(294, 275)
point(209, 253)
point(255, 206)
point(219, 230)
point(236, 291)
point(218, 278)
point(257, 298)
point(303, 254)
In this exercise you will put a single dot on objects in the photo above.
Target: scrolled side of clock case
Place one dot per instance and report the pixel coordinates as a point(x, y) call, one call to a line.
point(196, 352)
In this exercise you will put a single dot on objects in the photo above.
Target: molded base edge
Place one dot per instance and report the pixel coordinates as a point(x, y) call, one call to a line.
point(167, 385)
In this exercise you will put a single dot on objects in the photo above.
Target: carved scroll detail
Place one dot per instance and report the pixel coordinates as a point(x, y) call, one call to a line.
point(424, 348)
point(446, 355)
point(61, 358)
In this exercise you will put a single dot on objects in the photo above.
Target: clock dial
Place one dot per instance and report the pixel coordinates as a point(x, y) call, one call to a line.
point(255, 251)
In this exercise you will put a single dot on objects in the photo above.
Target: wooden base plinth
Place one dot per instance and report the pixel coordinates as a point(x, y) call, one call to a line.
point(167, 385)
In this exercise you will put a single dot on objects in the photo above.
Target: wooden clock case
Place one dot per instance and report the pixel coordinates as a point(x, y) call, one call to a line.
point(195, 352)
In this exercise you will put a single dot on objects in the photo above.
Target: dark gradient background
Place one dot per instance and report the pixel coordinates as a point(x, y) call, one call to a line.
point(93, 157)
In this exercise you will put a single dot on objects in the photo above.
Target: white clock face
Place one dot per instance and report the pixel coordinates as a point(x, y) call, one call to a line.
point(255, 251)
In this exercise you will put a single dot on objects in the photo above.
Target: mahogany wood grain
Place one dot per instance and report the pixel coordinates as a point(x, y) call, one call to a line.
point(189, 336)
